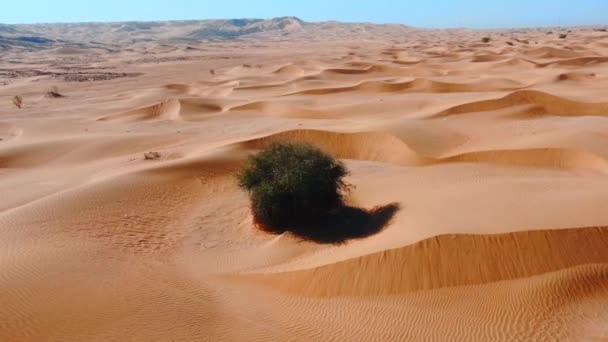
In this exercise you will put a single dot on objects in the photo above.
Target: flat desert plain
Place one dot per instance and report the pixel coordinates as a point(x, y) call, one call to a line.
point(496, 151)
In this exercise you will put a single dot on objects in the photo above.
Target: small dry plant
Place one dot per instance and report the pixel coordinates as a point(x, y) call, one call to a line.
point(152, 156)
point(53, 93)
point(18, 101)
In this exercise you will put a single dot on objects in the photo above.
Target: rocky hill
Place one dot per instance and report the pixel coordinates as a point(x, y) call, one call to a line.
point(125, 33)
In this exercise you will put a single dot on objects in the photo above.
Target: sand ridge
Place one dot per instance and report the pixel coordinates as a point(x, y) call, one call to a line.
point(494, 150)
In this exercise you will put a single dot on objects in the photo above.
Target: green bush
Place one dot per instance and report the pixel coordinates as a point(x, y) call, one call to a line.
point(292, 185)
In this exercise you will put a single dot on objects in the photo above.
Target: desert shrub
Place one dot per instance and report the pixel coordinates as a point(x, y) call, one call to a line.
point(151, 156)
point(53, 93)
point(18, 101)
point(563, 36)
point(486, 39)
point(293, 184)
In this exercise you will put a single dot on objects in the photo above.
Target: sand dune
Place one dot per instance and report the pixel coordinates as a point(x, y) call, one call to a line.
point(544, 158)
point(373, 146)
point(166, 110)
point(383, 147)
point(121, 218)
point(417, 85)
point(497, 258)
point(280, 109)
point(551, 52)
point(553, 105)
point(79, 150)
point(518, 62)
point(187, 89)
point(188, 109)
point(211, 89)
point(581, 61)
point(8, 131)
point(371, 69)
point(289, 70)
point(488, 58)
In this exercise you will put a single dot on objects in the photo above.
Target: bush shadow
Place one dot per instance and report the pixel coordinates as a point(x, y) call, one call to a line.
point(343, 224)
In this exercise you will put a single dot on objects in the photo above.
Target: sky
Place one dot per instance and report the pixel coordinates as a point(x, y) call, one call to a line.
point(419, 13)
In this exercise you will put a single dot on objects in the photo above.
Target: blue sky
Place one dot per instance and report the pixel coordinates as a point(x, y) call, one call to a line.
point(422, 13)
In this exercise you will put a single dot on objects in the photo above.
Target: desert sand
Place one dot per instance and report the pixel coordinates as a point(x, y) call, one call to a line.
point(496, 152)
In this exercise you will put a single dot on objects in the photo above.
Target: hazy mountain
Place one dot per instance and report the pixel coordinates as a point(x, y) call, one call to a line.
point(121, 33)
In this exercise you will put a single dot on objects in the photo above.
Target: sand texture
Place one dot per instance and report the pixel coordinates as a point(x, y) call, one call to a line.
point(496, 152)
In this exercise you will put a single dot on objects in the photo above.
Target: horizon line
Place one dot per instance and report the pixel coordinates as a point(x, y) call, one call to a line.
point(307, 22)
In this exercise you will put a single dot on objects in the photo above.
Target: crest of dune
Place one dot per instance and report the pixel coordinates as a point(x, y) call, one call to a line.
point(166, 110)
point(554, 105)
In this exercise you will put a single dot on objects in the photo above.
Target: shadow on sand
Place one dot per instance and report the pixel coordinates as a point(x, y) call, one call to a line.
point(343, 224)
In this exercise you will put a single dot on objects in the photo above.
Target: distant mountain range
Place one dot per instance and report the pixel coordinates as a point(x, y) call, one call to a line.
point(120, 33)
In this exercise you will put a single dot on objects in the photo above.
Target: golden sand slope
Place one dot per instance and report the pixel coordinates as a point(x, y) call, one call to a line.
point(495, 151)
point(455, 260)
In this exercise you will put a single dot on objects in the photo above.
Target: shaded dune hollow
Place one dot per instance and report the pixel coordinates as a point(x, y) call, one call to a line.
point(447, 261)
